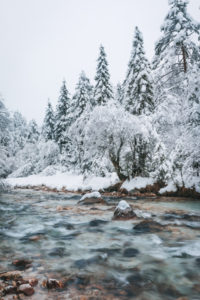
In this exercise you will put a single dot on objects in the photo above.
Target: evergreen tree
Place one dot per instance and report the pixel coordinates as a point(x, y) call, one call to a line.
point(33, 132)
point(103, 89)
point(4, 136)
point(83, 97)
point(62, 119)
point(49, 123)
point(4, 122)
point(18, 133)
point(138, 85)
point(119, 93)
point(176, 51)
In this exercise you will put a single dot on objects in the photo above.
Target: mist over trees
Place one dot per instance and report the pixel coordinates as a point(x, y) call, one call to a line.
point(147, 126)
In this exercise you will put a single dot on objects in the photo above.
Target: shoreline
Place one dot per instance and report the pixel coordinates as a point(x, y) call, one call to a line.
point(140, 194)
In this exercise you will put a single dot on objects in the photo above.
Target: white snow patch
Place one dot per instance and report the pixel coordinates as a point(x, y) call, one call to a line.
point(137, 183)
point(91, 195)
point(122, 205)
point(69, 181)
point(169, 188)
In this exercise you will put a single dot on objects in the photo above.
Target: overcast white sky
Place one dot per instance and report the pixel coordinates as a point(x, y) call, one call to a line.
point(44, 41)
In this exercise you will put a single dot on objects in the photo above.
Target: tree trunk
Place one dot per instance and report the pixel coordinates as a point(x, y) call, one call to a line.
point(184, 58)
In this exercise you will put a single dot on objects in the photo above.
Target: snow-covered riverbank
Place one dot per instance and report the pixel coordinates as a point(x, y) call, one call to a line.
point(69, 181)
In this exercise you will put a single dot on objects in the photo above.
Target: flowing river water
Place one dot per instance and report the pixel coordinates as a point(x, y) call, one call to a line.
point(100, 258)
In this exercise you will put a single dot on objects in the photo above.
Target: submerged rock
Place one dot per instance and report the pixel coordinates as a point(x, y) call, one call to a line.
point(97, 222)
point(198, 262)
point(52, 283)
point(26, 289)
point(13, 275)
point(33, 281)
point(92, 198)
point(130, 252)
point(108, 251)
point(83, 263)
point(123, 211)
point(58, 251)
point(148, 226)
point(10, 289)
point(22, 264)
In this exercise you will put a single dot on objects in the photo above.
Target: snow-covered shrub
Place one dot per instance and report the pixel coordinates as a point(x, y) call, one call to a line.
point(113, 139)
point(34, 158)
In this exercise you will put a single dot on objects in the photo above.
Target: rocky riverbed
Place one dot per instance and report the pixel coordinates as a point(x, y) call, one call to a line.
point(52, 246)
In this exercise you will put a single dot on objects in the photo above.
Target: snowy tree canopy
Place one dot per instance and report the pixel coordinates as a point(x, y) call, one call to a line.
point(176, 49)
point(49, 123)
point(62, 120)
point(103, 89)
point(138, 85)
point(83, 97)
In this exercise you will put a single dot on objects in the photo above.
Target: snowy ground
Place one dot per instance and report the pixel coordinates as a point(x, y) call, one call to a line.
point(73, 182)
point(137, 183)
point(70, 181)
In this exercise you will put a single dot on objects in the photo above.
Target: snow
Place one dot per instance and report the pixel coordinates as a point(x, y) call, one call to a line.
point(91, 195)
point(169, 188)
point(122, 205)
point(137, 183)
point(70, 181)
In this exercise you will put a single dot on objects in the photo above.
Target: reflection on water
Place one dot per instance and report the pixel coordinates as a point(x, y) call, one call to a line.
point(155, 265)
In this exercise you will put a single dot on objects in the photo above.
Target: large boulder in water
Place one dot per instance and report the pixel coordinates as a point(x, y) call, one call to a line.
point(92, 198)
point(123, 211)
point(147, 226)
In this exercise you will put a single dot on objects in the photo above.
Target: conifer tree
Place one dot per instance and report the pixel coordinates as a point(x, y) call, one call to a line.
point(18, 133)
point(103, 89)
point(119, 93)
point(4, 133)
point(83, 97)
point(33, 132)
point(62, 120)
point(176, 51)
point(138, 85)
point(49, 123)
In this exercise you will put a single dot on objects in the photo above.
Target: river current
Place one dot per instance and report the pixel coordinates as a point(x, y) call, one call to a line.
point(84, 242)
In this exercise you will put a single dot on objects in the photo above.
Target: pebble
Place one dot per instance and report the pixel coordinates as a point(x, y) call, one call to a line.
point(26, 289)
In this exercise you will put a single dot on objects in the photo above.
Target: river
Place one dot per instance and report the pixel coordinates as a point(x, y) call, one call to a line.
point(104, 259)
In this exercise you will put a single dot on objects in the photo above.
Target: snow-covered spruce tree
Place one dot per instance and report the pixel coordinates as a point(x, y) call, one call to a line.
point(4, 123)
point(138, 86)
point(18, 132)
point(103, 89)
point(62, 118)
point(176, 61)
point(176, 50)
point(82, 98)
point(119, 93)
point(33, 132)
point(49, 123)
point(185, 156)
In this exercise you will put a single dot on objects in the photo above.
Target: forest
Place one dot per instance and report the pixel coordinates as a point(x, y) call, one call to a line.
point(146, 126)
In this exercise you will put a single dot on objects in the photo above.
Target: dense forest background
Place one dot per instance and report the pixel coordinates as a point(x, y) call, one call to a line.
point(147, 126)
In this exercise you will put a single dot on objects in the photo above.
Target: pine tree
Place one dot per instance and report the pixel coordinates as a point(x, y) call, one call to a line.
point(18, 133)
point(62, 120)
point(103, 89)
point(82, 99)
point(119, 93)
point(49, 123)
point(176, 51)
point(33, 132)
point(4, 137)
point(138, 85)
